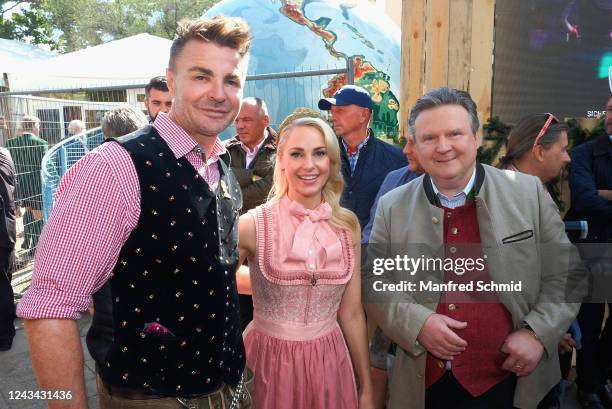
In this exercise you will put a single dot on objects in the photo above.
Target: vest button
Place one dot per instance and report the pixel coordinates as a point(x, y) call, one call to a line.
point(452, 307)
point(441, 365)
point(435, 220)
point(454, 230)
point(453, 249)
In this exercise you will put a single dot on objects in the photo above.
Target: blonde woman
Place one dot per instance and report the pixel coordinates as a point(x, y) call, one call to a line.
point(303, 252)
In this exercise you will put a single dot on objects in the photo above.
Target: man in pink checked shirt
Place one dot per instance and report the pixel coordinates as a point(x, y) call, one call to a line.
point(147, 225)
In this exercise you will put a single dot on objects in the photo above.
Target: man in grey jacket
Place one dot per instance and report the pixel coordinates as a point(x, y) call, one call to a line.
point(492, 345)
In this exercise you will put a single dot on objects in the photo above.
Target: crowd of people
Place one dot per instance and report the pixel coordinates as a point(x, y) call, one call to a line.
point(240, 275)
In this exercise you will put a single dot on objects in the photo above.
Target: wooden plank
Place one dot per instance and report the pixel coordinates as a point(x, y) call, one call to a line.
point(413, 58)
point(459, 48)
point(436, 47)
point(481, 75)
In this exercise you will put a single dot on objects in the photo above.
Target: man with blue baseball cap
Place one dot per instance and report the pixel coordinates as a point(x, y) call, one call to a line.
point(347, 95)
point(366, 160)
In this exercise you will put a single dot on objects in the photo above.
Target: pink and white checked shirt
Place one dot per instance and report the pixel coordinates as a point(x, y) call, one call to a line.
point(97, 207)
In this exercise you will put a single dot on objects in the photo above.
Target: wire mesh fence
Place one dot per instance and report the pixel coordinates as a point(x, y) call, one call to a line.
point(60, 158)
point(43, 155)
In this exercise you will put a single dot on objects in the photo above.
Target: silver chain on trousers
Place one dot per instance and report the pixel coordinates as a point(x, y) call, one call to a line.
point(238, 393)
point(234, 404)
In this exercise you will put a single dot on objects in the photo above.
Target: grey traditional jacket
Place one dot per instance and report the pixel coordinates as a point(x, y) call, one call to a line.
point(523, 239)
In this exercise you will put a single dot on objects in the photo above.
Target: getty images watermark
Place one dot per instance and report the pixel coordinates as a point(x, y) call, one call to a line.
point(404, 264)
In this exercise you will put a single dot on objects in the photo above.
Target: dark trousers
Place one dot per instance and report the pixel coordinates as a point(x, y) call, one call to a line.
point(246, 309)
point(448, 393)
point(7, 304)
point(595, 356)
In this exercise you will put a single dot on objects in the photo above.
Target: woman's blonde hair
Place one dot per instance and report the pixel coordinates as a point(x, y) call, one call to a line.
point(332, 190)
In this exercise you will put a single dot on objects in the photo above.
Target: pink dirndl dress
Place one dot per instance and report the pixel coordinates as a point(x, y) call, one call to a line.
point(294, 344)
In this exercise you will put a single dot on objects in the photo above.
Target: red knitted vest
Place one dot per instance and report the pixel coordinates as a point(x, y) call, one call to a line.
point(478, 368)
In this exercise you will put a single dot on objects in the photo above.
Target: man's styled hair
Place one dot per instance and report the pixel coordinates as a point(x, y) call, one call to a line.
point(159, 83)
point(29, 123)
point(122, 120)
point(232, 32)
point(444, 96)
point(262, 107)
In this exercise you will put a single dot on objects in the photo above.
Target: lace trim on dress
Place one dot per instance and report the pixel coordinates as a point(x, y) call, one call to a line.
point(266, 221)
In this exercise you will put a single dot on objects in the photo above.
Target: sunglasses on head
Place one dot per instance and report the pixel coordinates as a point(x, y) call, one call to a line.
point(545, 127)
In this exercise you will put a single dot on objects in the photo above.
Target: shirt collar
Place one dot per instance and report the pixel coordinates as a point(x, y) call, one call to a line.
point(258, 147)
point(217, 151)
point(466, 190)
point(359, 147)
point(178, 140)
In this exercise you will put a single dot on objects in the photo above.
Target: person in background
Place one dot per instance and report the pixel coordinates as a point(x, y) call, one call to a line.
point(537, 146)
point(157, 97)
point(122, 120)
point(396, 178)
point(27, 151)
point(252, 153)
point(7, 246)
point(366, 160)
point(75, 127)
point(590, 181)
point(382, 350)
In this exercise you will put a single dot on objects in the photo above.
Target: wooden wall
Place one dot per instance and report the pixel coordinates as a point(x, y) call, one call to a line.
point(447, 43)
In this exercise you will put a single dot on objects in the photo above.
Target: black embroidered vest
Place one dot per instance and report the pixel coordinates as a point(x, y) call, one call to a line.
point(167, 321)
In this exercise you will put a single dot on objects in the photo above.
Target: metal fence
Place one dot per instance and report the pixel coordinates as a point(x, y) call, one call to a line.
point(41, 162)
point(62, 157)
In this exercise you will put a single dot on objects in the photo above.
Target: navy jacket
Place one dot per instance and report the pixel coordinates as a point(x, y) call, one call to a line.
point(591, 170)
point(376, 160)
point(394, 179)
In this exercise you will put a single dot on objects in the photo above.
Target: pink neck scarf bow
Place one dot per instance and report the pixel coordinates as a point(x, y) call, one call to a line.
point(311, 229)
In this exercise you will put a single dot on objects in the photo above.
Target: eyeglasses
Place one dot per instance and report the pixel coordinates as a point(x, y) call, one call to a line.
point(545, 127)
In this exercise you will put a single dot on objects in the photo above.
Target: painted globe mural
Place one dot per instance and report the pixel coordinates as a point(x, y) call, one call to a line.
point(296, 36)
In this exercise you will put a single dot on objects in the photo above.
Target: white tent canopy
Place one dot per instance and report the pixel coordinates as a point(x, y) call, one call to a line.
point(14, 54)
point(129, 61)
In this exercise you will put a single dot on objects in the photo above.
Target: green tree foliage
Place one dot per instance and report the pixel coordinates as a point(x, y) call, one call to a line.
point(83, 23)
point(70, 25)
point(173, 11)
point(495, 133)
point(20, 21)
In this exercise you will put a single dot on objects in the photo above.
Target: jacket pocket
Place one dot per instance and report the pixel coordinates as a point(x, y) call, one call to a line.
point(524, 235)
